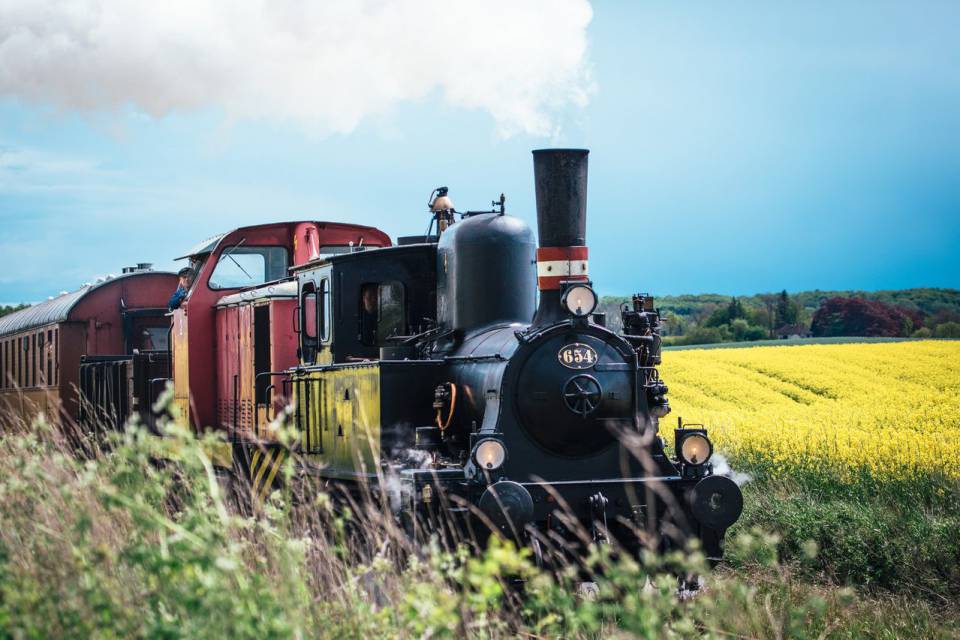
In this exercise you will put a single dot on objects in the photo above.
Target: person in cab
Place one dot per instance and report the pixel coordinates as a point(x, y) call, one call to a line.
point(186, 279)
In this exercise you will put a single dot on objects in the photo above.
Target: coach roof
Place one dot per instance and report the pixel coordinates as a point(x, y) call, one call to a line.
point(58, 309)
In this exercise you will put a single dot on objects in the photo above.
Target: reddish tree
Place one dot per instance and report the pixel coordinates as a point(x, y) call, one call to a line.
point(860, 317)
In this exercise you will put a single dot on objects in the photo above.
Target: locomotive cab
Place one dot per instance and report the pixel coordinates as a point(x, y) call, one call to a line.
point(358, 306)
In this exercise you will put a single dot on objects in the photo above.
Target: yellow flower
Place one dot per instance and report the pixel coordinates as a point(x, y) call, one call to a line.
point(887, 411)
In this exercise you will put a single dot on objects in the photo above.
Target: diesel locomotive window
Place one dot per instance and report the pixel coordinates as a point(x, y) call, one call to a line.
point(241, 266)
point(382, 312)
point(334, 249)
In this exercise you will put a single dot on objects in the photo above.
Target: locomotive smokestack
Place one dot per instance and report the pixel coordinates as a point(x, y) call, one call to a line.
point(561, 183)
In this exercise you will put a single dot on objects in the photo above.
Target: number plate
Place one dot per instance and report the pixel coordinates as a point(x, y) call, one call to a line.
point(577, 356)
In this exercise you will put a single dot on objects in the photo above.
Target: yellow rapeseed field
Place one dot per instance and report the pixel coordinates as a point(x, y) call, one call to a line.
point(882, 412)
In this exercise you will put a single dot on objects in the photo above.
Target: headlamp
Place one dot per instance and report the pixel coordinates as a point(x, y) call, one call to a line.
point(694, 448)
point(489, 454)
point(579, 300)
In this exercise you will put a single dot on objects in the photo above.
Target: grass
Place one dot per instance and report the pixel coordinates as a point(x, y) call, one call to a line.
point(115, 544)
point(871, 543)
point(119, 546)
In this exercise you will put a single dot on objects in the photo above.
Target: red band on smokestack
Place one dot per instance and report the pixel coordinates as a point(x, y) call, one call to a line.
point(561, 264)
point(561, 253)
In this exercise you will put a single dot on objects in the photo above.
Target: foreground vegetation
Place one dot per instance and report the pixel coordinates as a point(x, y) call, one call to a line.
point(830, 545)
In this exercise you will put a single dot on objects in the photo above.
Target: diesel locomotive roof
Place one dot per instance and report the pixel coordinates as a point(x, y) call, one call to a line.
point(58, 309)
point(207, 246)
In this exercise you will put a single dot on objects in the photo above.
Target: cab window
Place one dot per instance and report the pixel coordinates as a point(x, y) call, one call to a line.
point(242, 266)
point(324, 311)
point(308, 323)
point(382, 312)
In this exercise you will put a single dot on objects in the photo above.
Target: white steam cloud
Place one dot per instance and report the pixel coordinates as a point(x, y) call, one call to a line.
point(322, 65)
point(722, 468)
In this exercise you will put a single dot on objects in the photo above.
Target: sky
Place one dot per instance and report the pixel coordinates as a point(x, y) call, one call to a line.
point(735, 147)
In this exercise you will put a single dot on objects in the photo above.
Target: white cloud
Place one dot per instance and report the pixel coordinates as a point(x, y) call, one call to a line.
point(323, 66)
point(39, 162)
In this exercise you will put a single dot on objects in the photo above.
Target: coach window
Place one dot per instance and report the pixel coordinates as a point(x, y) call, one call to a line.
point(34, 360)
point(241, 266)
point(3, 364)
point(49, 357)
point(26, 361)
point(308, 322)
point(56, 356)
point(41, 356)
point(382, 312)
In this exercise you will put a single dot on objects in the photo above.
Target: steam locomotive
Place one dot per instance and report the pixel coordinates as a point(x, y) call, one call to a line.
point(521, 406)
point(469, 365)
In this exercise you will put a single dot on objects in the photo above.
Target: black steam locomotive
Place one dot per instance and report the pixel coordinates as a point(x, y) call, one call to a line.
point(432, 363)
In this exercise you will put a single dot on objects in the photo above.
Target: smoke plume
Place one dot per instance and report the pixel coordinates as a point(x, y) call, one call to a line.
point(722, 468)
point(323, 66)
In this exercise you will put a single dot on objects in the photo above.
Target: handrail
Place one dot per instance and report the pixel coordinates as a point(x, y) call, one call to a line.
point(256, 417)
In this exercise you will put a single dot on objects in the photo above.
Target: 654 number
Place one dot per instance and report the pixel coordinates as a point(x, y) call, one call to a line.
point(577, 356)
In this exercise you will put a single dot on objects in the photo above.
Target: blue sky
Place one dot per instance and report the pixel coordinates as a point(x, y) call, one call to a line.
point(735, 148)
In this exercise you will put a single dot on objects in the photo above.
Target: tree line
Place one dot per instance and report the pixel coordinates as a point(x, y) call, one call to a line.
point(7, 309)
point(711, 318)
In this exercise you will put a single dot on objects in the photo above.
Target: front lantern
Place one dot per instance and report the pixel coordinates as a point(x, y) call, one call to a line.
point(693, 447)
point(489, 454)
point(580, 300)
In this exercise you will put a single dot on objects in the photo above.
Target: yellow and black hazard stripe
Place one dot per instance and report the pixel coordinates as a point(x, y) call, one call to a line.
point(265, 466)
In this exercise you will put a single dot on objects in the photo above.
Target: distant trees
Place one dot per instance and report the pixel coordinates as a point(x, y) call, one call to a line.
point(710, 317)
point(948, 330)
point(673, 324)
point(732, 321)
point(860, 317)
point(787, 310)
point(6, 309)
point(726, 314)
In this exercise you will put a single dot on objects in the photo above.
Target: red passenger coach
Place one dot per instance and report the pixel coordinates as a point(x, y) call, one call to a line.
point(41, 347)
point(223, 341)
